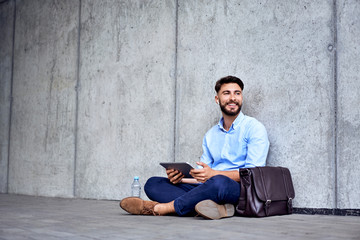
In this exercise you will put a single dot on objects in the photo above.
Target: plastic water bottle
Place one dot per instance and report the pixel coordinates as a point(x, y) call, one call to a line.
point(136, 188)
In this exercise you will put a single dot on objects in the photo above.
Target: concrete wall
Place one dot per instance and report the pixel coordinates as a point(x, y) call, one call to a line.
point(104, 90)
point(348, 111)
point(126, 95)
point(44, 101)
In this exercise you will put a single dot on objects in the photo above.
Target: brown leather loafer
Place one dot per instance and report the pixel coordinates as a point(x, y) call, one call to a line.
point(138, 206)
point(211, 210)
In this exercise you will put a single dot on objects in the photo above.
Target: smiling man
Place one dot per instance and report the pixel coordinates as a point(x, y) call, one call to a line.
point(237, 141)
point(229, 98)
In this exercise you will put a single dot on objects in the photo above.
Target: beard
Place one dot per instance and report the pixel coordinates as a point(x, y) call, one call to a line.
point(229, 112)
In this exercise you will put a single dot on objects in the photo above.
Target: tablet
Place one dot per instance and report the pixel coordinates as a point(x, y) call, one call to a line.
point(182, 167)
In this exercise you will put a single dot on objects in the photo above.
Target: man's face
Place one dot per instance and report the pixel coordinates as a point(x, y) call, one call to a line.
point(230, 99)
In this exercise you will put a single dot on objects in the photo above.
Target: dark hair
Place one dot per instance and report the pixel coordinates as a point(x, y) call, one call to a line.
point(228, 79)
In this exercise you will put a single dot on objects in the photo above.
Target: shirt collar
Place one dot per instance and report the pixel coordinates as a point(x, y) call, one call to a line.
point(234, 125)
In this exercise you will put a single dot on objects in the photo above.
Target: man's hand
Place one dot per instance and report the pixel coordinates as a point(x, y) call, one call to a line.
point(174, 176)
point(202, 175)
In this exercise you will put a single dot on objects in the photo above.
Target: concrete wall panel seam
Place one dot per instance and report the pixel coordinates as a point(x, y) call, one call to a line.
point(335, 102)
point(176, 96)
point(77, 89)
point(11, 93)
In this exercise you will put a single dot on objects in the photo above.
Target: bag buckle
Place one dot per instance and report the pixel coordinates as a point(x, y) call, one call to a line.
point(267, 205)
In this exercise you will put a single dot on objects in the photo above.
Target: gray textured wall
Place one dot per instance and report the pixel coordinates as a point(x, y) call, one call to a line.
point(104, 90)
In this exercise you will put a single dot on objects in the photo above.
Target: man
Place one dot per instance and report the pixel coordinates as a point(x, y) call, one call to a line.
point(237, 141)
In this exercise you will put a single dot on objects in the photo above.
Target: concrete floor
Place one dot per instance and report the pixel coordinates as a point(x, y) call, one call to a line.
point(27, 217)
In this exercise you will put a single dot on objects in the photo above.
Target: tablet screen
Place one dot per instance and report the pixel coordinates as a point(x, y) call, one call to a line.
point(182, 167)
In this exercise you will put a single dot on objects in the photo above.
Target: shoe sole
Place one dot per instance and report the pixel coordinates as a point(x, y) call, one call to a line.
point(211, 210)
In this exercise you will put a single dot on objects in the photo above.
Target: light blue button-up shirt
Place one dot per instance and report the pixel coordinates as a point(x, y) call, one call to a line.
point(245, 145)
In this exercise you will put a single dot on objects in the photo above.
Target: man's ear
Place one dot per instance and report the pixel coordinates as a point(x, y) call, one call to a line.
point(217, 99)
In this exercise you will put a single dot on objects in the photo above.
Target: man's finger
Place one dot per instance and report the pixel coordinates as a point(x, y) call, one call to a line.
point(204, 165)
point(173, 173)
point(177, 178)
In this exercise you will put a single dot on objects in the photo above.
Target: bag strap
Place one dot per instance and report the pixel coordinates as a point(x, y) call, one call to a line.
point(289, 203)
point(242, 200)
point(268, 201)
point(244, 181)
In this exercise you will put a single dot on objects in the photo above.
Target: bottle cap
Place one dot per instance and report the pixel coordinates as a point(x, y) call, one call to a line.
point(136, 178)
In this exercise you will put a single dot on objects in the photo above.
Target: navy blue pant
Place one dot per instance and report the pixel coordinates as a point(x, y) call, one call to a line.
point(220, 189)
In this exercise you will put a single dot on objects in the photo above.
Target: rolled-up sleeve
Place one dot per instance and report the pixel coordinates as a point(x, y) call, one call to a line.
point(257, 147)
point(206, 156)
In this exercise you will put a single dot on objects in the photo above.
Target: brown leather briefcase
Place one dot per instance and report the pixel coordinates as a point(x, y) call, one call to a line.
point(265, 191)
